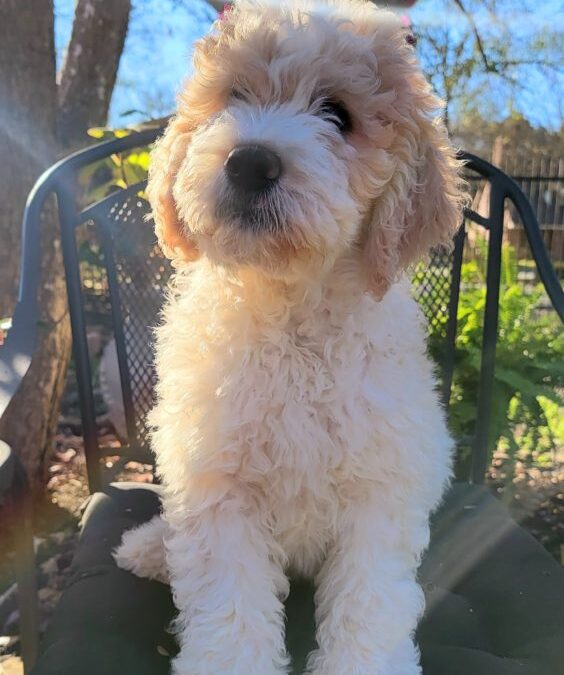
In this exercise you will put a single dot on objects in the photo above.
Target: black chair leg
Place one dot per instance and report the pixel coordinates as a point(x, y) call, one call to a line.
point(20, 506)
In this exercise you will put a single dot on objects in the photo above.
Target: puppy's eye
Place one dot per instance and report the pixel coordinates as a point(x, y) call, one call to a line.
point(336, 112)
point(237, 95)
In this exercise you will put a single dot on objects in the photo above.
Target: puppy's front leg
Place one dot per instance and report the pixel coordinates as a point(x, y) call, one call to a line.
point(227, 579)
point(368, 600)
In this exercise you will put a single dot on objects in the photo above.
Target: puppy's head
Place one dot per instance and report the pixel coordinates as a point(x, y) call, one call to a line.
point(306, 131)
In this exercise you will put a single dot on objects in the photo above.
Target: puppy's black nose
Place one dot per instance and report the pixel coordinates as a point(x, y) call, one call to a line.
point(252, 168)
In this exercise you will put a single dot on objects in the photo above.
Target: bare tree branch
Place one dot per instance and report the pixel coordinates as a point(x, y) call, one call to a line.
point(476, 32)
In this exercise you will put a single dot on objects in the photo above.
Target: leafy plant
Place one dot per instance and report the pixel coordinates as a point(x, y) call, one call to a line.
point(119, 171)
point(527, 400)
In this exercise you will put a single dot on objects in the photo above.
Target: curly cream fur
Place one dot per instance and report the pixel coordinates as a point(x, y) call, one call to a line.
point(297, 425)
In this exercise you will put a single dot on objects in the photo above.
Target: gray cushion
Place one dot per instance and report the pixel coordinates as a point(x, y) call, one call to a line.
point(495, 597)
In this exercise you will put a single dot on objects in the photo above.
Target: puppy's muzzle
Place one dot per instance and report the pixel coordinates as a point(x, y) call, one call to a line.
point(252, 169)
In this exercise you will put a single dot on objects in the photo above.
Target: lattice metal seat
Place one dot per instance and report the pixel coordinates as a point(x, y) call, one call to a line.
point(136, 284)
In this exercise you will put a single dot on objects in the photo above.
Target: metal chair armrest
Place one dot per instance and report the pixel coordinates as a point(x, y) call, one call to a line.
point(15, 359)
point(16, 353)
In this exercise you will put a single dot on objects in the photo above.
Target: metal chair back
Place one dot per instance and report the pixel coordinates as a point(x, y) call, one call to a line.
point(116, 274)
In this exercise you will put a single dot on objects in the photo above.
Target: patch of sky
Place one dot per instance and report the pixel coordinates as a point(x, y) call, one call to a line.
point(161, 35)
point(156, 56)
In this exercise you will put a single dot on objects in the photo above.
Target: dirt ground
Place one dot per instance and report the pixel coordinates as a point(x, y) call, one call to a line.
point(534, 497)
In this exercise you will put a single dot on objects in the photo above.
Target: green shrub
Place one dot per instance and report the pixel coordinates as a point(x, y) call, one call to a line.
point(526, 417)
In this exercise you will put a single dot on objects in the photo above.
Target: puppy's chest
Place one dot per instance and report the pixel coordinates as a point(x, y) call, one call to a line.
point(298, 406)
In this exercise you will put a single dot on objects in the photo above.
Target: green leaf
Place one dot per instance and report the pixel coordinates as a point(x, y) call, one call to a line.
point(525, 386)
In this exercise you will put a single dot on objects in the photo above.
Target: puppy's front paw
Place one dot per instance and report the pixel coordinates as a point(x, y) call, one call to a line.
point(142, 551)
point(233, 663)
point(405, 660)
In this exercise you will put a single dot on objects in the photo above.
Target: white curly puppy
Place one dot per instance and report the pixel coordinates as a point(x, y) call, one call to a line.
point(297, 424)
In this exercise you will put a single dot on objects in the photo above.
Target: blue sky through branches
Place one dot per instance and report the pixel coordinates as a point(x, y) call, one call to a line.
point(161, 34)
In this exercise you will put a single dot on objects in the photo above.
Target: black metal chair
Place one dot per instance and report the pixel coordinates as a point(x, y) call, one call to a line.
point(495, 597)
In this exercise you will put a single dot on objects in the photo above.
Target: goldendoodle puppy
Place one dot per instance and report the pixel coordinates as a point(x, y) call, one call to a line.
point(297, 425)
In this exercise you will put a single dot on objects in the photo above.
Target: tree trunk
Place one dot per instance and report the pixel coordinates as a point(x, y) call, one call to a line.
point(90, 67)
point(28, 147)
point(27, 123)
point(35, 125)
point(30, 421)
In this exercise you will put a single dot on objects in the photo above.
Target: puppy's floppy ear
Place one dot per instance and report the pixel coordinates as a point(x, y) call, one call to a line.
point(436, 196)
point(421, 205)
point(174, 237)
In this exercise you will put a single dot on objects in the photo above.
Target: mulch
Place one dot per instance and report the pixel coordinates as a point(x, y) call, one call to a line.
point(534, 496)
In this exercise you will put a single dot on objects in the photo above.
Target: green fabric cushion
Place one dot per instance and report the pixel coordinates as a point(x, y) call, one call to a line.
point(495, 598)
